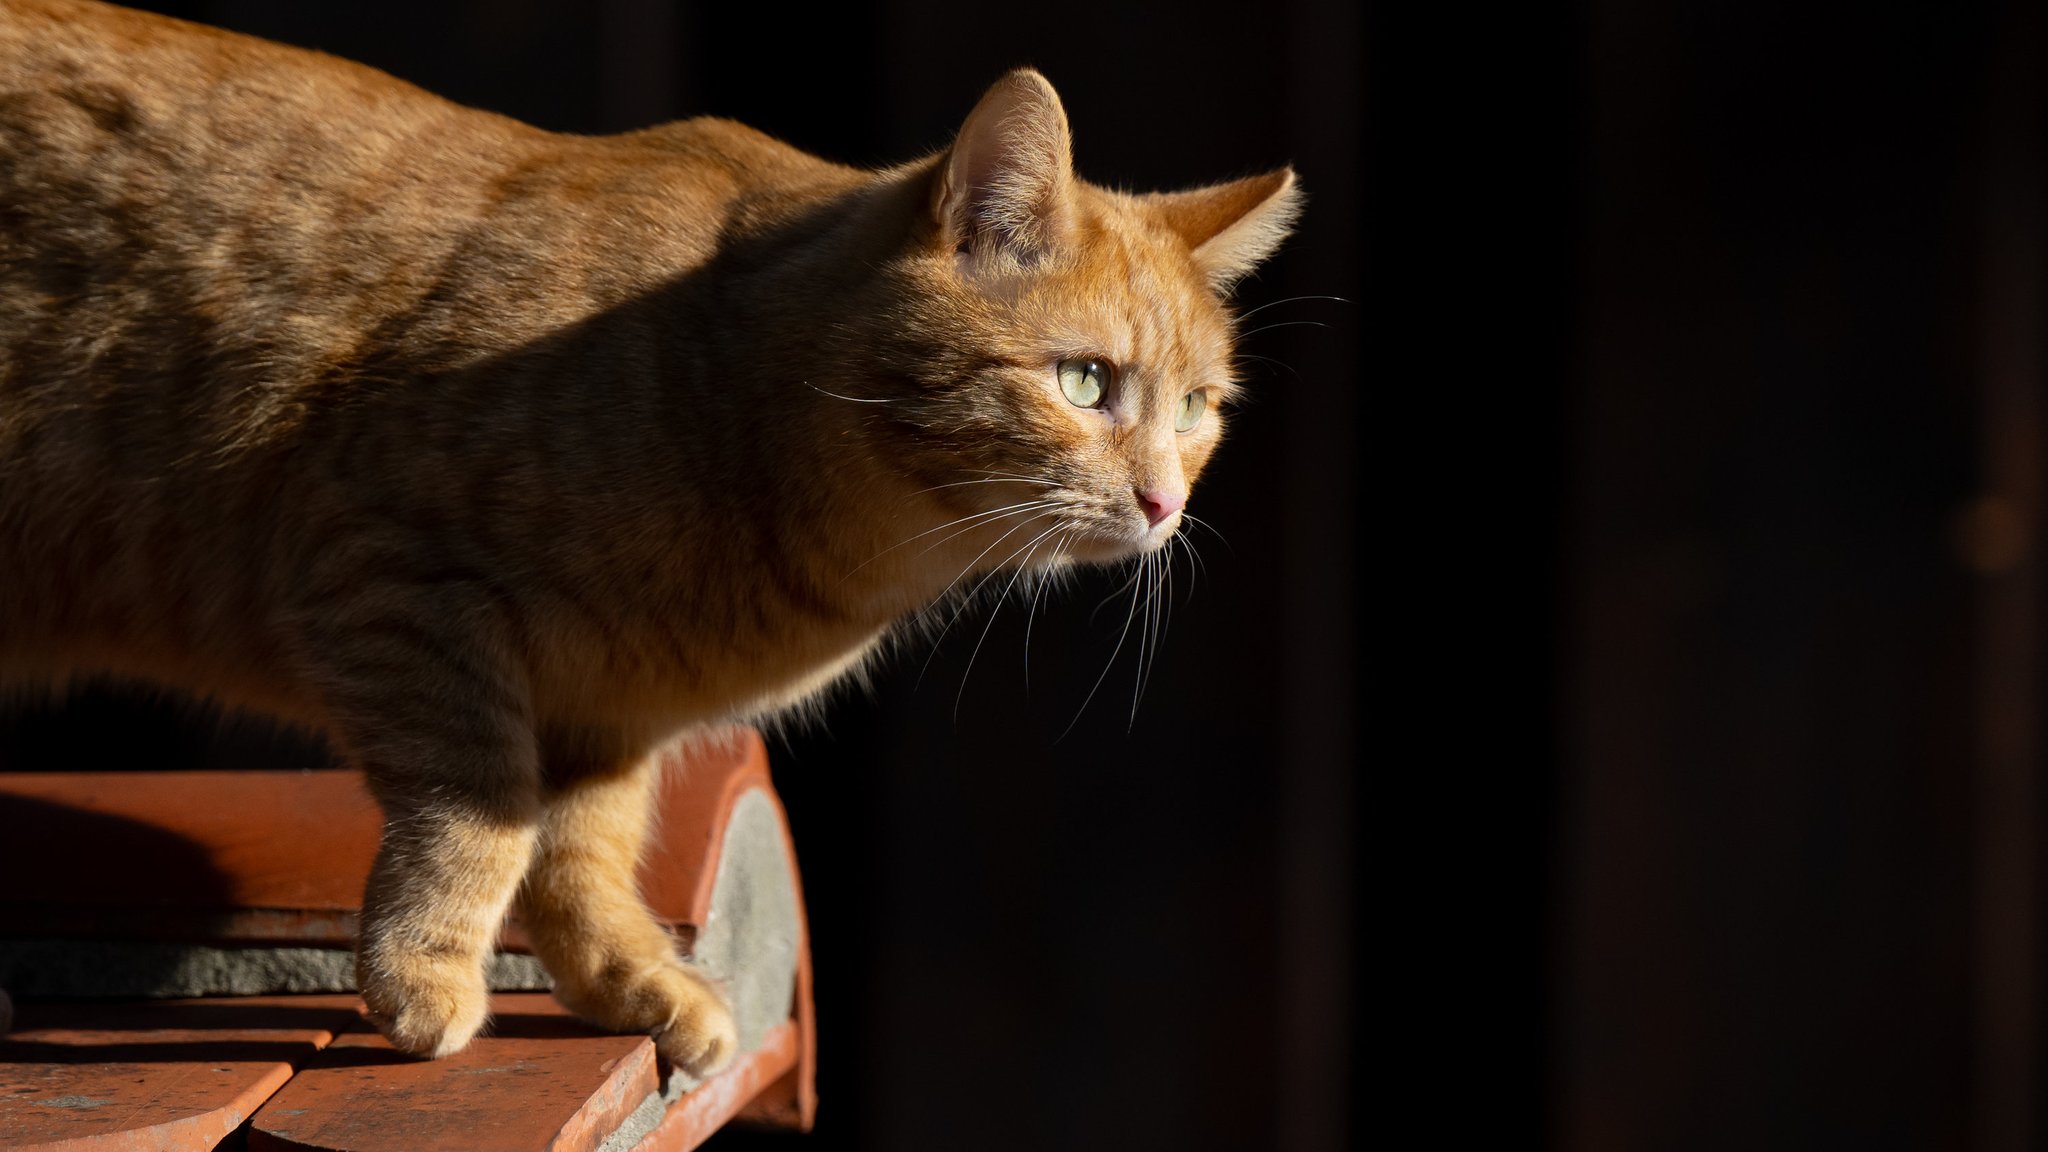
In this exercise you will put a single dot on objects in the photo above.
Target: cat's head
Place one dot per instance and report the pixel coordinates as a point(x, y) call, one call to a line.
point(1060, 355)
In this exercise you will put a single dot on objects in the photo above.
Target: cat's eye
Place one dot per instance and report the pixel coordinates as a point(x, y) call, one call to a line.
point(1189, 412)
point(1084, 381)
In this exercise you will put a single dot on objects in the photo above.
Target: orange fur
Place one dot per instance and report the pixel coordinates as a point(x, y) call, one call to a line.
point(504, 456)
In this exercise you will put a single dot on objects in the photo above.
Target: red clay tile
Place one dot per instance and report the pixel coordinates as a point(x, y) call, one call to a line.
point(288, 866)
point(281, 857)
point(691, 1120)
point(539, 1080)
point(173, 1075)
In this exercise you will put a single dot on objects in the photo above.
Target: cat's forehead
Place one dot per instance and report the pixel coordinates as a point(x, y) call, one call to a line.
point(1132, 293)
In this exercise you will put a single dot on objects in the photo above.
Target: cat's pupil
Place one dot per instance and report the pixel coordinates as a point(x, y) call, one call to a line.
point(1084, 381)
point(1190, 414)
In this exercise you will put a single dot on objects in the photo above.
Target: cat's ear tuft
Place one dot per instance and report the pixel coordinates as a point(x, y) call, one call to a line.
point(1005, 188)
point(1233, 227)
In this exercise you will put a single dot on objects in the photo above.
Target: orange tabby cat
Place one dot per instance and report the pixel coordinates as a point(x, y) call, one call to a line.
point(503, 456)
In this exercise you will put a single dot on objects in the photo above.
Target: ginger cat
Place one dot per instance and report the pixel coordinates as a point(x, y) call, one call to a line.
point(503, 456)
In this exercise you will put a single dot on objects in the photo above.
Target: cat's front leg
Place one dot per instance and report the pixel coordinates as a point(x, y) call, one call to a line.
point(425, 699)
point(444, 877)
point(612, 963)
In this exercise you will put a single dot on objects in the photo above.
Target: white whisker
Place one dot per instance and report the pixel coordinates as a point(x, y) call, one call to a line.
point(1181, 538)
point(1037, 506)
point(990, 480)
point(1001, 598)
point(1007, 509)
point(1289, 300)
point(1169, 592)
point(1273, 362)
point(1282, 324)
point(1144, 643)
point(1155, 624)
point(852, 399)
point(1044, 582)
point(1211, 528)
point(1097, 686)
point(1104, 603)
point(969, 598)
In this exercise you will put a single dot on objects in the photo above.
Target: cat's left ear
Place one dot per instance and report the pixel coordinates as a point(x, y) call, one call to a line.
point(1232, 227)
point(1005, 188)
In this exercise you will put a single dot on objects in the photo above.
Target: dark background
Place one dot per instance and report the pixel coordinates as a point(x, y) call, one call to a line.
point(1613, 721)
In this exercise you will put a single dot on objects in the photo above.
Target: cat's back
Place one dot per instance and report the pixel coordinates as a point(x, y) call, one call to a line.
point(195, 227)
point(195, 224)
point(204, 239)
point(167, 186)
point(75, 71)
point(141, 151)
point(238, 279)
point(180, 205)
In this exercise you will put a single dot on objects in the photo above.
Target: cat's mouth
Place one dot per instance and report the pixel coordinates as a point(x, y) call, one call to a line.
point(1108, 541)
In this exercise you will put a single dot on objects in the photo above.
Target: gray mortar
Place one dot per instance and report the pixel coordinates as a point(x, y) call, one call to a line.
point(748, 943)
point(126, 970)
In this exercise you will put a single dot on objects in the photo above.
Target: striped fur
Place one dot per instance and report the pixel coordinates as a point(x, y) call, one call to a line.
point(504, 456)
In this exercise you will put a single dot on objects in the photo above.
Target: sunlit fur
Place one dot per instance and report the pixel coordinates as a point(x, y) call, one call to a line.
point(504, 456)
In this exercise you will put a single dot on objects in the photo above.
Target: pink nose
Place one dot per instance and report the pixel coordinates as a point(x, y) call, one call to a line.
point(1160, 504)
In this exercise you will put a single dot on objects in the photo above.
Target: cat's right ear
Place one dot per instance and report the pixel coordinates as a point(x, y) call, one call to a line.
point(1232, 228)
point(1005, 189)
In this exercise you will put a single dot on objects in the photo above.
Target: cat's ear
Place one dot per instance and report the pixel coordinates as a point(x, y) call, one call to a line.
point(1232, 227)
point(1005, 188)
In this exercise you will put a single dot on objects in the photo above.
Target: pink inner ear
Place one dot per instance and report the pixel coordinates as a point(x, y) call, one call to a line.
point(1008, 174)
point(1233, 227)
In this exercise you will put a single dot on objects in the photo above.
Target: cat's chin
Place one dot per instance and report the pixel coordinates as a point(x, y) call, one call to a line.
point(1111, 547)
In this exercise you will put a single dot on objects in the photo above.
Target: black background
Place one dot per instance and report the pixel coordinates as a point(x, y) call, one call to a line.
point(1613, 721)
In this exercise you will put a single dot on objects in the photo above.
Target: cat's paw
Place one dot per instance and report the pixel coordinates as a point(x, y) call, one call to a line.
point(701, 1038)
point(425, 1007)
point(692, 1028)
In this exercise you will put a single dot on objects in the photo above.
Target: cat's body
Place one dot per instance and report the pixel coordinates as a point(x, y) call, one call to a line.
point(287, 282)
point(502, 456)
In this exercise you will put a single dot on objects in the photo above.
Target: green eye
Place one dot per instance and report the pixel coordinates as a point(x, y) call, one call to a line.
point(1084, 381)
point(1189, 413)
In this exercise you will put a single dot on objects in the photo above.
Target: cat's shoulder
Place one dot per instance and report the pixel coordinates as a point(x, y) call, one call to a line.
point(747, 152)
